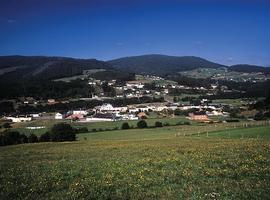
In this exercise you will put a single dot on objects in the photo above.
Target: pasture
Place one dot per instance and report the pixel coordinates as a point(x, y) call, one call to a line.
point(230, 161)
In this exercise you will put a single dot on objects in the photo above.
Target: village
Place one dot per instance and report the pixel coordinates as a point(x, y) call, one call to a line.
point(169, 103)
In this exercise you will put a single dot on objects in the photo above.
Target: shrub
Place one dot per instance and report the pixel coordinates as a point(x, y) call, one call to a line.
point(142, 124)
point(32, 138)
point(94, 130)
point(166, 124)
point(62, 132)
point(45, 137)
point(12, 137)
point(158, 124)
point(125, 125)
point(23, 138)
point(232, 120)
point(187, 123)
point(6, 125)
point(2, 140)
point(259, 116)
point(81, 130)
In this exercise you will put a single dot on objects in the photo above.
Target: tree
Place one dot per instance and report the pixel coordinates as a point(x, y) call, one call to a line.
point(142, 124)
point(32, 138)
point(125, 125)
point(62, 132)
point(11, 137)
point(45, 137)
point(23, 138)
point(158, 124)
point(178, 112)
point(6, 125)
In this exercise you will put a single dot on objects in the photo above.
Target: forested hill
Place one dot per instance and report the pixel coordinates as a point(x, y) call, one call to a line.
point(46, 68)
point(249, 68)
point(161, 64)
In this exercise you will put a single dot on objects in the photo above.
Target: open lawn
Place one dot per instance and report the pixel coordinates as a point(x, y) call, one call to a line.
point(180, 162)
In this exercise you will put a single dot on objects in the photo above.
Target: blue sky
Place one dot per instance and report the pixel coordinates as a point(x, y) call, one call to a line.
point(224, 31)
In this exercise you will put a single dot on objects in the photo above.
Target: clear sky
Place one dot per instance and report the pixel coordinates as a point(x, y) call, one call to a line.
point(224, 31)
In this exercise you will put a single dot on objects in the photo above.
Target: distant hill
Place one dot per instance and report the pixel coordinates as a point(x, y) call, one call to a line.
point(161, 64)
point(45, 68)
point(249, 68)
point(15, 68)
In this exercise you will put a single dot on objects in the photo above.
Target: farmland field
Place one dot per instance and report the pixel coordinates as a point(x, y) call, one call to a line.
point(179, 162)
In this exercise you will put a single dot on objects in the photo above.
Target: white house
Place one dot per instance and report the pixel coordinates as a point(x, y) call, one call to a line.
point(108, 108)
point(35, 115)
point(59, 116)
point(20, 119)
point(79, 112)
point(99, 117)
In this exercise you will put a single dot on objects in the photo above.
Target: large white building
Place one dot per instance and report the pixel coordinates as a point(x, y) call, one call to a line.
point(108, 108)
point(20, 119)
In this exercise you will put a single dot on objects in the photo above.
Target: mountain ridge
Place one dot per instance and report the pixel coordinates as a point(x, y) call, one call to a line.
point(46, 67)
point(17, 67)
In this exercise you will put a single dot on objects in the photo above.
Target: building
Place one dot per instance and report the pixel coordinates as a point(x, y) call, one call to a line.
point(99, 117)
point(75, 116)
point(81, 112)
point(199, 116)
point(20, 118)
point(142, 115)
point(59, 116)
point(108, 108)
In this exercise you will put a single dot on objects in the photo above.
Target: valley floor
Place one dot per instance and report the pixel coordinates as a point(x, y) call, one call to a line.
point(162, 163)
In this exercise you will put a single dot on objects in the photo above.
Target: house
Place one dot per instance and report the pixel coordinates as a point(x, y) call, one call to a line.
point(35, 115)
point(20, 118)
point(103, 117)
point(215, 113)
point(108, 108)
point(59, 116)
point(75, 116)
point(81, 112)
point(199, 116)
point(51, 101)
point(142, 115)
point(161, 108)
point(129, 117)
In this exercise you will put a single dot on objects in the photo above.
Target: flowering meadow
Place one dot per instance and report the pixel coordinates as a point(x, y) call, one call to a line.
point(167, 163)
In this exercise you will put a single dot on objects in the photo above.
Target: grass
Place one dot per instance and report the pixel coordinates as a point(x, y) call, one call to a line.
point(165, 163)
point(21, 127)
point(252, 132)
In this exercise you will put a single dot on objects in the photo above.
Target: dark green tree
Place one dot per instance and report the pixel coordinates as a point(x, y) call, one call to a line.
point(6, 125)
point(125, 125)
point(32, 138)
point(45, 137)
point(158, 124)
point(142, 124)
point(62, 132)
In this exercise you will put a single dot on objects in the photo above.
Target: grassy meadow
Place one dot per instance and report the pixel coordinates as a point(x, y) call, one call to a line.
point(202, 161)
point(99, 126)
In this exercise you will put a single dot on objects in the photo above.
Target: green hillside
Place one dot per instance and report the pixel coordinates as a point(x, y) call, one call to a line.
point(161, 64)
point(140, 164)
point(45, 68)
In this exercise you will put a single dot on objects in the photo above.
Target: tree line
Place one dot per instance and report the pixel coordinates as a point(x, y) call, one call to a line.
point(59, 133)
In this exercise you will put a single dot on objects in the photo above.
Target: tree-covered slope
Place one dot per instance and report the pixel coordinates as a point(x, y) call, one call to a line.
point(249, 68)
point(161, 64)
point(46, 68)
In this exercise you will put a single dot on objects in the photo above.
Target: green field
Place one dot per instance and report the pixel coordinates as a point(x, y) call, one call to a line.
point(218, 161)
point(21, 127)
